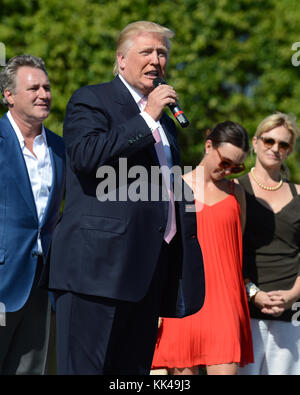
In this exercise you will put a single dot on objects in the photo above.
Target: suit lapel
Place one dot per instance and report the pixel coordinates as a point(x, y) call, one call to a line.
point(123, 97)
point(53, 185)
point(56, 163)
point(15, 164)
point(129, 109)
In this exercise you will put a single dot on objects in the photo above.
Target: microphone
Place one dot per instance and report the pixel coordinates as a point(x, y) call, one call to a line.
point(175, 108)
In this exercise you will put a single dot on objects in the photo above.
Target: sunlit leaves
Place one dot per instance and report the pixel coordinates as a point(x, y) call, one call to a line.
point(229, 60)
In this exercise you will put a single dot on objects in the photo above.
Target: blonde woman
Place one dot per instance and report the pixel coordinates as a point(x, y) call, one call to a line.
point(271, 250)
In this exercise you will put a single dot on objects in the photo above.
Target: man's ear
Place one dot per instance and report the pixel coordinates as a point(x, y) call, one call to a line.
point(9, 97)
point(121, 59)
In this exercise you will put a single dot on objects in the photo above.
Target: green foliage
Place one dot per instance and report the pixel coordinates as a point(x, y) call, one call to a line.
point(229, 60)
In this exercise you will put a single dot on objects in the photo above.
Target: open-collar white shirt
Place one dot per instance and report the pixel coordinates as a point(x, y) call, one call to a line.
point(39, 169)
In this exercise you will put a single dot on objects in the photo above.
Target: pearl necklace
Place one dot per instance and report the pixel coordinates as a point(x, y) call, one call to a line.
point(264, 186)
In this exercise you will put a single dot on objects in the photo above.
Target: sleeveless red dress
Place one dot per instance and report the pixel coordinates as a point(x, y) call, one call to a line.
point(220, 332)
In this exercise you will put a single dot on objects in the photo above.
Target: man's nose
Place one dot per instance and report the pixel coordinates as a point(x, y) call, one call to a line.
point(154, 58)
point(42, 93)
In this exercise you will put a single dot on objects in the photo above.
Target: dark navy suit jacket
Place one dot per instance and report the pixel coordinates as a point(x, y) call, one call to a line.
point(19, 225)
point(111, 248)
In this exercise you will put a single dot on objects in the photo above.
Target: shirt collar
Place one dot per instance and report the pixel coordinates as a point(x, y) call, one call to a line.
point(134, 92)
point(19, 133)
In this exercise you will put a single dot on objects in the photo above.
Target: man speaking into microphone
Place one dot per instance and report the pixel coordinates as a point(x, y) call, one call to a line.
point(116, 265)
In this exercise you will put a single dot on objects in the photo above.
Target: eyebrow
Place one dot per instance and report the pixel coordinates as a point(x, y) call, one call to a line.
point(165, 49)
point(34, 85)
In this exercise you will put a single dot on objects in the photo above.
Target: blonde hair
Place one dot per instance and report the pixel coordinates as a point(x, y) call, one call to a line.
point(279, 119)
point(135, 28)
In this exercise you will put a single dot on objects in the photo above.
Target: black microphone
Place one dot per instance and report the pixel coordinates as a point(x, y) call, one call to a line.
point(175, 108)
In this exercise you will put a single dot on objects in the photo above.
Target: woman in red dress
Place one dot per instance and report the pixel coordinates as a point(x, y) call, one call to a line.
point(219, 335)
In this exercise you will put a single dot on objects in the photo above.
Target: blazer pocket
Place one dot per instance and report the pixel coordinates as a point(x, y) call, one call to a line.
point(104, 224)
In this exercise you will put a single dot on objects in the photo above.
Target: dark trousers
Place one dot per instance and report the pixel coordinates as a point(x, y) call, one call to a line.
point(96, 335)
point(24, 339)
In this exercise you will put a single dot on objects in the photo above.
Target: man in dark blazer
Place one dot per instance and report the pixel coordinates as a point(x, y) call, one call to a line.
point(32, 178)
point(118, 262)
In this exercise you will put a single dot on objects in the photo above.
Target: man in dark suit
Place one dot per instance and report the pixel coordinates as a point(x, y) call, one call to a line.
point(118, 262)
point(32, 179)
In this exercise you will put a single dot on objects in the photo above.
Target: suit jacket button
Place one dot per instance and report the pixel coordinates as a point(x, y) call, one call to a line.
point(161, 229)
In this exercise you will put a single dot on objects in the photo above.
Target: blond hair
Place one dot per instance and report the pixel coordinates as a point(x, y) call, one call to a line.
point(279, 119)
point(135, 28)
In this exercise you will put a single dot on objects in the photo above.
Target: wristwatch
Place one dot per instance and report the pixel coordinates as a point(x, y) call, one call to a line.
point(251, 290)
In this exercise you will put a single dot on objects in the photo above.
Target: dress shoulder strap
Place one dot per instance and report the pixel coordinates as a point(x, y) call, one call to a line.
point(245, 182)
point(231, 186)
point(293, 189)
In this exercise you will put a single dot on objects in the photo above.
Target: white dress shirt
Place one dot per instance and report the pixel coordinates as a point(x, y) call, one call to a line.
point(39, 170)
point(153, 125)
